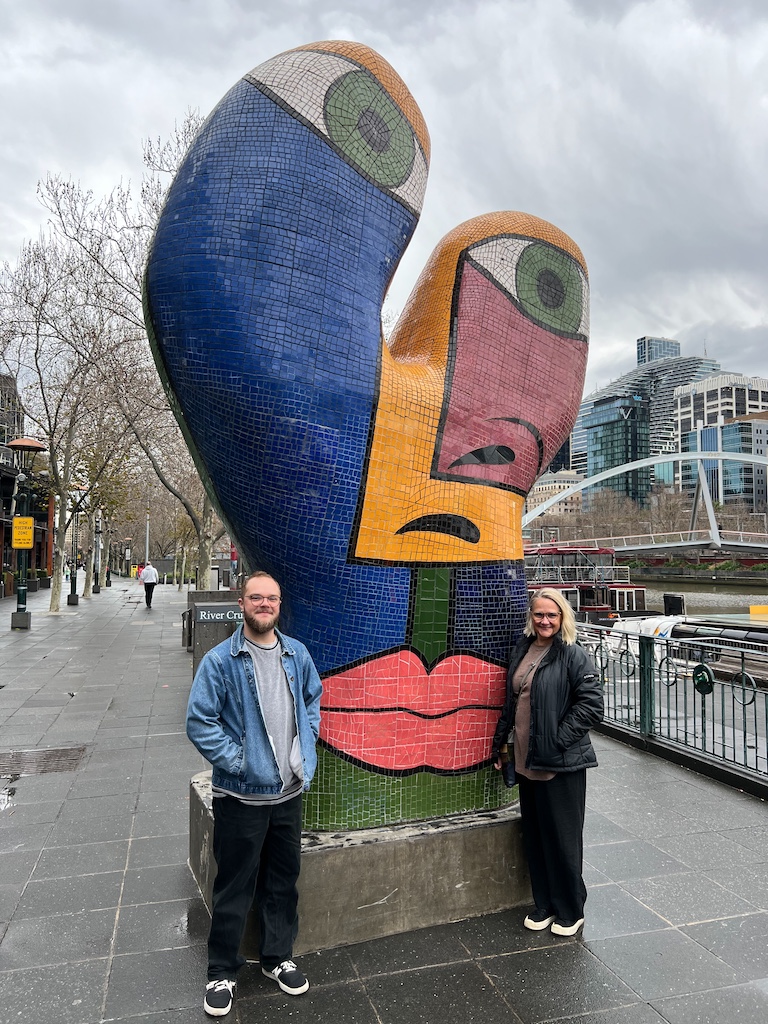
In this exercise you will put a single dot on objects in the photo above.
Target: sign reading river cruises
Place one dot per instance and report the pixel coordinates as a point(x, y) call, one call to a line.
point(218, 613)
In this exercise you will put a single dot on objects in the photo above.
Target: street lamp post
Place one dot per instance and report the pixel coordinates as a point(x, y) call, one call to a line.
point(23, 529)
point(73, 597)
point(96, 589)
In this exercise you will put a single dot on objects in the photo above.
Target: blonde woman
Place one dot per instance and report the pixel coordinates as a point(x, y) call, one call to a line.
point(553, 700)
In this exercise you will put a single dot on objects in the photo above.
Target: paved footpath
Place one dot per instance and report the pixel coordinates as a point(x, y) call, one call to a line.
point(100, 918)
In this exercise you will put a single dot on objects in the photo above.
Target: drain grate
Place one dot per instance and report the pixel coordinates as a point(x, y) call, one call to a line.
point(37, 762)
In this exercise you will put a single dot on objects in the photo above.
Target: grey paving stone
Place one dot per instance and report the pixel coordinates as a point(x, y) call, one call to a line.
point(70, 895)
point(664, 963)
point(688, 898)
point(41, 941)
point(10, 893)
point(160, 823)
point(82, 859)
point(564, 980)
point(739, 1002)
point(741, 942)
point(426, 947)
point(493, 934)
point(611, 910)
point(753, 838)
point(90, 830)
point(64, 994)
point(451, 994)
point(162, 925)
point(152, 852)
point(638, 1013)
point(157, 981)
point(599, 829)
point(167, 882)
point(17, 865)
point(113, 806)
point(86, 788)
point(632, 859)
point(17, 815)
point(703, 850)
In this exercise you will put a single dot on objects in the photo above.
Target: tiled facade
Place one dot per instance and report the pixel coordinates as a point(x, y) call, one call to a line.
point(382, 484)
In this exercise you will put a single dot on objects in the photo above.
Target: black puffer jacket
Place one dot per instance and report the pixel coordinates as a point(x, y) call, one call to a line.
point(566, 702)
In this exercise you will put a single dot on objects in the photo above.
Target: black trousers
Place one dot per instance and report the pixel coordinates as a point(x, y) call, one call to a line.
point(553, 837)
point(258, 855)
point(148, 588)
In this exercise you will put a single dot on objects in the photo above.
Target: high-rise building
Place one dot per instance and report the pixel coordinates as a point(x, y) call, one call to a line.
point(718, 398)
point(655, 382)
point(11, 413)
point(618, 431)
point(650, 349)
point(730, 482)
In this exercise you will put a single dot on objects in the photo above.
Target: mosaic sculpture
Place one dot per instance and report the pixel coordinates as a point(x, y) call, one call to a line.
point(382, 484)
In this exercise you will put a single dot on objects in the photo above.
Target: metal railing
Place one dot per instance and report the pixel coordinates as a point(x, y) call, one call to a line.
point(543, 573)
point(669, 538)
point(707, 698)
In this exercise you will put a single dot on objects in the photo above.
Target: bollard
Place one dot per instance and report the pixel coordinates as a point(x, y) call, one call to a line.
point(647, 710)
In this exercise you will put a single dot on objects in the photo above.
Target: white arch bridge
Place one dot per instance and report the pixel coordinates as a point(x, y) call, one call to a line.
point(743, 541)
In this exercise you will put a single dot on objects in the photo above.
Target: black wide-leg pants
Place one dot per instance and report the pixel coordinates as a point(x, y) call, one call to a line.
point(258, 855)
point(553, 836)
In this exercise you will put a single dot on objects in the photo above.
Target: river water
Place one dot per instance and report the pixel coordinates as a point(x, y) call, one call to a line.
point(703, 599)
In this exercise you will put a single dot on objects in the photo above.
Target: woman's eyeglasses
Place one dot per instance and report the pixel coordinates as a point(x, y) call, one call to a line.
point(552, 616)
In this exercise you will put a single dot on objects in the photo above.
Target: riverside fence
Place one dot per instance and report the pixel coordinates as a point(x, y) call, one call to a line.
point(700, 702)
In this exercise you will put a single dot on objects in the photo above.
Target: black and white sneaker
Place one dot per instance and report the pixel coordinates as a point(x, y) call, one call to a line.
point(538, 920)
point(288, 977)
point(566, 927)
point(218, 997)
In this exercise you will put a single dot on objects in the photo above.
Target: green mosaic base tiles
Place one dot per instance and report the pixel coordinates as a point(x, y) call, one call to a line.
point(351, 798)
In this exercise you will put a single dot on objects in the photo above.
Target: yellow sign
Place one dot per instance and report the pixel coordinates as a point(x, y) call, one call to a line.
point(23, 532)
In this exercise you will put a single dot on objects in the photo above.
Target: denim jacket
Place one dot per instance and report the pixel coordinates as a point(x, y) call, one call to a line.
point(225, 723)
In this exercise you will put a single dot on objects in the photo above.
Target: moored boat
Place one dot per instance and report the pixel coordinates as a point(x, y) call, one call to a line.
point(588, 577)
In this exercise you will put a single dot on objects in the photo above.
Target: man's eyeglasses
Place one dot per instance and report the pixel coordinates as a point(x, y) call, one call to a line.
point(259, 599)
point(552, 616)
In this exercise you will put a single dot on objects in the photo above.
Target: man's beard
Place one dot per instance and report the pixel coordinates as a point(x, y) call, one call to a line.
point(260, 626)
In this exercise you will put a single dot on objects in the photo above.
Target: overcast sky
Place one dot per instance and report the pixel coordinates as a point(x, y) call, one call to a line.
point(640, 127)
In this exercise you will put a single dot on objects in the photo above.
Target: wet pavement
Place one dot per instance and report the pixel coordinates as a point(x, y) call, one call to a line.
point(100, 918)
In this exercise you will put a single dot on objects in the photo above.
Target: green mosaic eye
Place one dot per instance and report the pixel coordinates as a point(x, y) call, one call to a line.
point(550, 288)
point(369, 129)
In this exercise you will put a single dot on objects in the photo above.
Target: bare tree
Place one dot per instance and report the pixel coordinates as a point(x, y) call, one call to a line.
point(56, 338)
point(113, 235)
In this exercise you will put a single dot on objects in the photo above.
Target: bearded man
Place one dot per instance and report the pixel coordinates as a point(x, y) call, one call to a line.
point(254, 713)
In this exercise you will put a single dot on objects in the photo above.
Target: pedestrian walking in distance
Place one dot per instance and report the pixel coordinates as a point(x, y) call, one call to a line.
point(148, 576)
point(254, 713)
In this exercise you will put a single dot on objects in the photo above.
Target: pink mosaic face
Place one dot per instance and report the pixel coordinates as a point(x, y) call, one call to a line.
point(507, 411)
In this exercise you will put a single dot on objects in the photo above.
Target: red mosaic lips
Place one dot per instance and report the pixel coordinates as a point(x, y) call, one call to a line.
point(392, 714)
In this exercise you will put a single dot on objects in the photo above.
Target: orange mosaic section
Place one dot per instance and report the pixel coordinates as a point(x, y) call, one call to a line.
point(402, 486)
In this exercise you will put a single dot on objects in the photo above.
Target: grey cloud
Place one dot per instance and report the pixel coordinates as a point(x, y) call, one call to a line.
point(637, 127)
